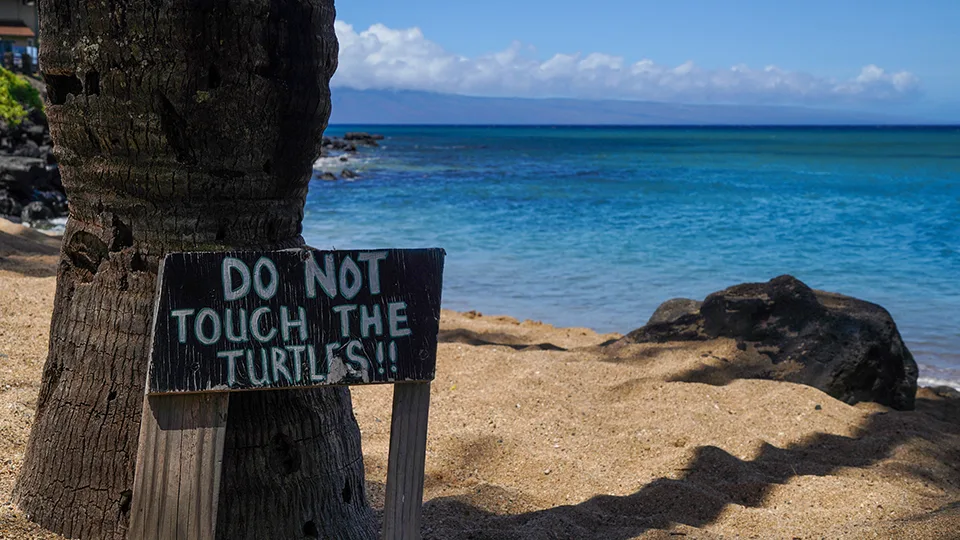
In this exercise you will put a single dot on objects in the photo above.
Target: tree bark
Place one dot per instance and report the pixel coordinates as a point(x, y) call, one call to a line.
point(181, 125)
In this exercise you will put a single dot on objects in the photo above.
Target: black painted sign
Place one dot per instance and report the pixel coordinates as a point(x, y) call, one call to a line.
point(228, 321)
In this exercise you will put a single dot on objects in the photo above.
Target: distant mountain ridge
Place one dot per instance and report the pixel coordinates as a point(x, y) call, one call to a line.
point(412, 107)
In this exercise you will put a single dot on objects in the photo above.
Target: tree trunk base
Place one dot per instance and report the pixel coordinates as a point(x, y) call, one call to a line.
point(181, 126)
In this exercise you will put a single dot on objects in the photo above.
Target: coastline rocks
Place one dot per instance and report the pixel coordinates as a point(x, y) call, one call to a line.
point(361, 137)
point(29, 148)
point(20, 176)
point(35, 212)
point(672, 310)
point(345, 174)
point(349, 142)
point(846, 347)
point(339, 144)
point(334, 143)
point(56, 201)
point(31, 189)
point(9, 206)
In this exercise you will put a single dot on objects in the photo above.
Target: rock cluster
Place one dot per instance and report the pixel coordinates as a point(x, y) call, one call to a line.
point(346, 145)
point(30, 187)
point(362, 137)
point(849, 348)
point(349, 142)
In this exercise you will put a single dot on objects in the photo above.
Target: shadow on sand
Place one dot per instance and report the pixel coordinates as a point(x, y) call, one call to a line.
point(714, 479)
point(469, 337)
point(27, 252)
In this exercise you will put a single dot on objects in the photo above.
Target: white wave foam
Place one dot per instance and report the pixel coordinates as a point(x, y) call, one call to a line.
point(53, 226)
point(334, 164)
point(329, 163)
point(930, 381)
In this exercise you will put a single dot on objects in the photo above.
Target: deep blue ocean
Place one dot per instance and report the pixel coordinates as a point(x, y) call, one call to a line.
point(595, 227)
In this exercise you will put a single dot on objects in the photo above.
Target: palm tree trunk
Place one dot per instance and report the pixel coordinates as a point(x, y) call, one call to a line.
point(181, 125)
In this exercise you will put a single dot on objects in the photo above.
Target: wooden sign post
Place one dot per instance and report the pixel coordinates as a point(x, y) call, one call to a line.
point(244, 321)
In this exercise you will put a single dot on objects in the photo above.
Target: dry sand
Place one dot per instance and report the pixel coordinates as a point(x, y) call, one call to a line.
point(536, 433)
point(28, 262)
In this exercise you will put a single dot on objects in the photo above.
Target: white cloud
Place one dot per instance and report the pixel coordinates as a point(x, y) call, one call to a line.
point(382, 57)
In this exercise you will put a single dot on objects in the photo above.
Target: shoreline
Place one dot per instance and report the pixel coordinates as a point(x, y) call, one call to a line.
point(632, 218)
point(938, 375)
point(932, 382)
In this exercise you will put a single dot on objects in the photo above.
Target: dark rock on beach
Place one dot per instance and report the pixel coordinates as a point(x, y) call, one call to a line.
point(9, 206)
point(29, 148)
point(36, 212)
point(672, 310)
point(849, 348)
point(24, 180)
point(30, 186)
point(20, 176)
point(347, 173)
point(55, 200)
point(328, 177)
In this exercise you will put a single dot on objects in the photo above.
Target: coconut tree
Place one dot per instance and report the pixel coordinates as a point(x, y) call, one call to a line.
point(181, 125)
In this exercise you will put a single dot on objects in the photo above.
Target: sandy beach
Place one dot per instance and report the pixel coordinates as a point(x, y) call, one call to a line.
point(539, 432)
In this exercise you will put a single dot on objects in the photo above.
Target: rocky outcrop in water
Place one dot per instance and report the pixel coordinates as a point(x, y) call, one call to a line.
point(335, 144)
point(345, 150)
point(364, 138)
point(849, 348)
point(349, 142)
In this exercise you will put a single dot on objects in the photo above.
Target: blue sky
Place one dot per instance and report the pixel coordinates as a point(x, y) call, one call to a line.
point(843, 53)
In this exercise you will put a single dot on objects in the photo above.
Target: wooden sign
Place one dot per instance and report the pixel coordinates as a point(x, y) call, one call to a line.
point(295, 318)
point(237, 321)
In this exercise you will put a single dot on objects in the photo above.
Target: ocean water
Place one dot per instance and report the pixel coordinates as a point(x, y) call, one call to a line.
point(596, 227)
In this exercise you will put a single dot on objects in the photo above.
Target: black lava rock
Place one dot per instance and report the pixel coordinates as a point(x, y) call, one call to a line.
point(849, 348)
point(9, 206)
point(36, 211)
point(21, 176)
point(672, 310)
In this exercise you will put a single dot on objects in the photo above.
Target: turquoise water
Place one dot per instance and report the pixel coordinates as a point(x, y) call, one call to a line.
point(596, 226)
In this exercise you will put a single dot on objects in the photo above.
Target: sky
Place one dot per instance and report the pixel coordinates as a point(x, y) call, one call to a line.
point(892, 56)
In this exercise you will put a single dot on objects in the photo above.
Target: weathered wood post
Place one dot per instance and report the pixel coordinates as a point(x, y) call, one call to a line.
point(408, 446)
point(280, 321)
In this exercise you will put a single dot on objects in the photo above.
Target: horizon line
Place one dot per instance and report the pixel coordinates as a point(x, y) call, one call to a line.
point(952, 125)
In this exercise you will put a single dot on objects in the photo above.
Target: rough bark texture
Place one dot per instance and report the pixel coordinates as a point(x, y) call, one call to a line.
point(181, 125)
